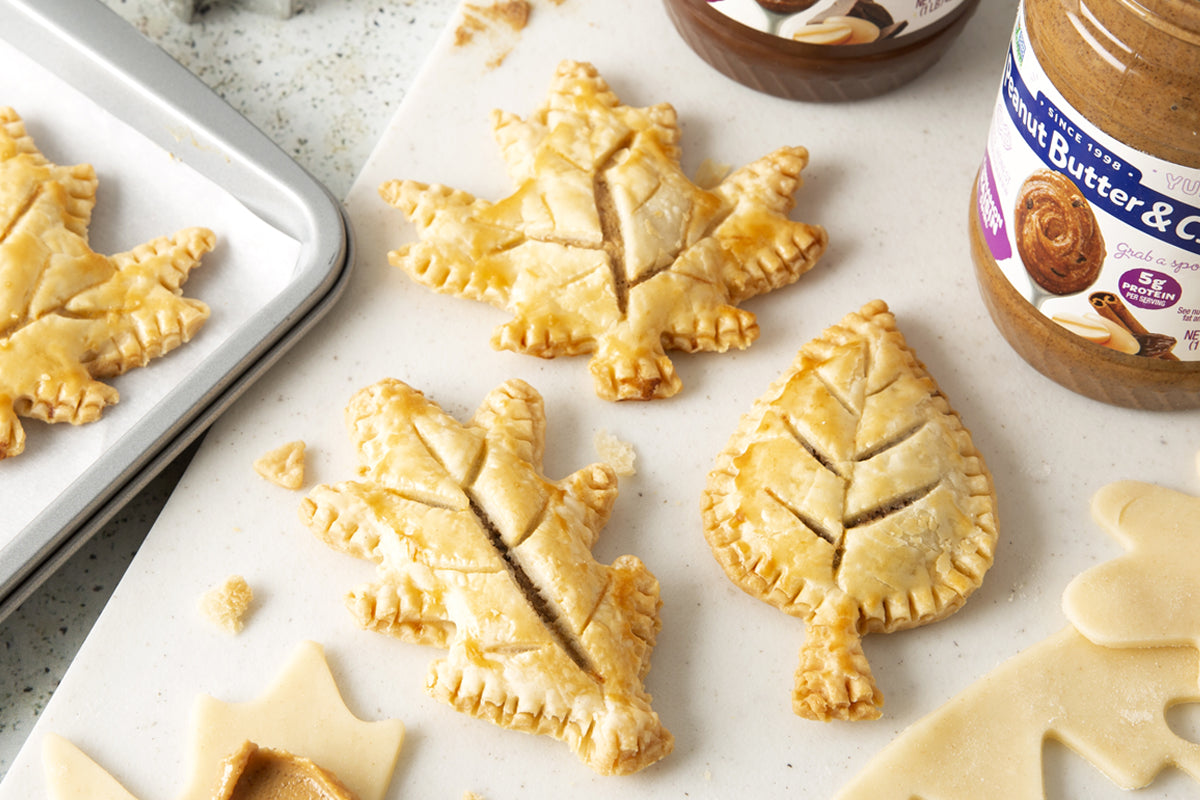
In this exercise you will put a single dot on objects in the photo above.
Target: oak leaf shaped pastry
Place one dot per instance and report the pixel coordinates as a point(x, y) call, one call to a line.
point(478, 553)
point(852, 496)
point(68, 315)
point(605, 247)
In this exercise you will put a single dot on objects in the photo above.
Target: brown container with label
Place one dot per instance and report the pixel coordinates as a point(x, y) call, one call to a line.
point(1131, 71)
point(756, 46)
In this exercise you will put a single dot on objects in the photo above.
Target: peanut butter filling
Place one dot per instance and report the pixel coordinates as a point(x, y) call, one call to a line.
point(259, 773)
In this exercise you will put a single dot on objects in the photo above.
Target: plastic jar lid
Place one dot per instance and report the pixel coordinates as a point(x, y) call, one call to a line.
point(799, 70)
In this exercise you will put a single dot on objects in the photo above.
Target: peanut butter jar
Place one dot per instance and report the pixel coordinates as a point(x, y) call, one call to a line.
point(1085, 213)
point(820, 50)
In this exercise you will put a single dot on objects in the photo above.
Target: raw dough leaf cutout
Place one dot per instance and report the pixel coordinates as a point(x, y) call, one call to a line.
point(852, 496)
point(479, 553)
point(605, 247)
point(301, 721)
point(1105, 698)
point(68, 315)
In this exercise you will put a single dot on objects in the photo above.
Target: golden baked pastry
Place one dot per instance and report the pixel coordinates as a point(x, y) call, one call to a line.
point(478, 553)
point(851, 496)
point(606, 247)
point(68, 315)
point(283, 466)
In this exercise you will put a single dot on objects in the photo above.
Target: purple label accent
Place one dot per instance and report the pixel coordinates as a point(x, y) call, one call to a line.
point(1147, 288)
point(991, 220)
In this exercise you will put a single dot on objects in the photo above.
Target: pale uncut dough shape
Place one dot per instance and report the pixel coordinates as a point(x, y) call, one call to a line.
point(606, 247)
point(302, 713)
point(1105, 698)
point(69, 315)
point(852, 496)
point(477, 552)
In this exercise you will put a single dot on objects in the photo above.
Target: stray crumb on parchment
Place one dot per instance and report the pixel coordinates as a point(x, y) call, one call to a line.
point(617, 454)
point(226, 605)
point(502, 19)
point(283, 466)
point(513, 14)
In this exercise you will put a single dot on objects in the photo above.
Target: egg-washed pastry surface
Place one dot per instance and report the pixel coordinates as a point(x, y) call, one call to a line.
point(297, 741)
point(1101, 686)
point(605, 247)
point(852, 496)
point(477, 552)
point(68, 315)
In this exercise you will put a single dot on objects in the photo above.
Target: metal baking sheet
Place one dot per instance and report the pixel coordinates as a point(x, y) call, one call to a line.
point(168, 151)
point(890, 179)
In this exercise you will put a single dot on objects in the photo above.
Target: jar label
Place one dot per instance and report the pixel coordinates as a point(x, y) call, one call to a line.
point(1099, 237)
point(836, 21)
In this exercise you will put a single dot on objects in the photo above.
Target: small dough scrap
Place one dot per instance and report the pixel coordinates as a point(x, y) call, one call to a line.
point(283, 466)
point(618, 454)
point(226, 605)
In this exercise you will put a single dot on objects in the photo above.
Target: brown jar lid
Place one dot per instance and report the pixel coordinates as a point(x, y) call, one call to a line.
point(813, 72)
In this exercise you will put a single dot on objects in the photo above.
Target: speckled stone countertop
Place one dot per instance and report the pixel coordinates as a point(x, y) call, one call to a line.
point(323, 85)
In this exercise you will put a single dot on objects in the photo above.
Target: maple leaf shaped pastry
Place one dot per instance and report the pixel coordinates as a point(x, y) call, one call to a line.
point(605, 247)
point(852, 496)
point(68, 315)
point(479, 553)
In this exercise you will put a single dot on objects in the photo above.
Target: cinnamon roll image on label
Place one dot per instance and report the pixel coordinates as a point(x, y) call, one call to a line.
point(1058, 239)
point(1100, 238)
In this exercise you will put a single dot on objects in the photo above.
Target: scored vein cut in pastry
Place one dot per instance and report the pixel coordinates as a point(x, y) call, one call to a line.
point(69, 315)
point(478, 553)
point(606, 247)
point(852, 496)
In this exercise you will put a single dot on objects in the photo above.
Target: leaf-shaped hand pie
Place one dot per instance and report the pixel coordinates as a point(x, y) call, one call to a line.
point(605, 247)
point(477, 552)
point(852, 496)
point(69, 315)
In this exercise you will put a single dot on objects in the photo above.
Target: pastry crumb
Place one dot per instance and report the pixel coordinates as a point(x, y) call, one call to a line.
point(616, 453)
point(226, 605)
point(513, 14)
point(283, 466)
